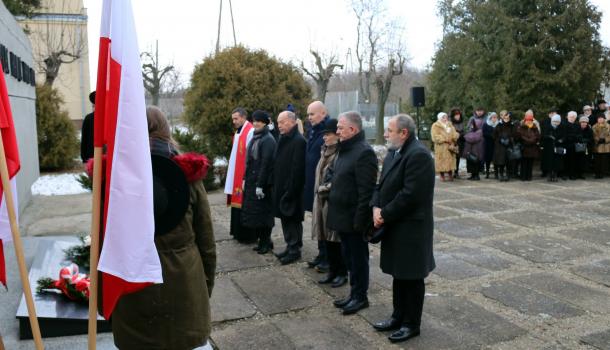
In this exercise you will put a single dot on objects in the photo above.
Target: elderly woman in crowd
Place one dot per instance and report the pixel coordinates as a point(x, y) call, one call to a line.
point(488, 137)
point(474, 151)
point(529, 134)
point(337, 271)
point(583, 147)
point(601, 148)
point(572, 133)
point(504, 137)
point(553, 141)
point(445, 139)
point(458, 123)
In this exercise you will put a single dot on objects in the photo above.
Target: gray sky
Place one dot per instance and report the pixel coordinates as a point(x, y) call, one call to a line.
point(187, 29)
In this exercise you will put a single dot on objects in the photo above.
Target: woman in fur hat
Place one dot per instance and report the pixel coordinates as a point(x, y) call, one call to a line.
point(445, 139)
point(529, 134)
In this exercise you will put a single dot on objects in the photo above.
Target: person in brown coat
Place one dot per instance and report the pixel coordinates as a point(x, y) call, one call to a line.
point(601, 146)
point(530, 136)
point(337, 272)
point(445, 139)
point(174, 314)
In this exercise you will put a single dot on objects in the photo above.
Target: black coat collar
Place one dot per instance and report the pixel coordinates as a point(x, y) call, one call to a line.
point(348, 144)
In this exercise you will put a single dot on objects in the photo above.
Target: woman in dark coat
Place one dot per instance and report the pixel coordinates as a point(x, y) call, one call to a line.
point(176, 313)
point(572, 133)
point(529, 136)
point(458, 123)
point(504, 138)
point(474, 150)
point(257, 207)
point(553, 143)
point(488, 137)
point(585, 138)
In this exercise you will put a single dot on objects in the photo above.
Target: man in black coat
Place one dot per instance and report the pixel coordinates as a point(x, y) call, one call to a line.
point(86, 134)
point(402, 205)
point(288, 181)
point(349, 213)
point(317, 115)
point(257, 207)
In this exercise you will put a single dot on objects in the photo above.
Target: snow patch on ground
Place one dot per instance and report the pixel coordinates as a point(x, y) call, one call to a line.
point(57, 184)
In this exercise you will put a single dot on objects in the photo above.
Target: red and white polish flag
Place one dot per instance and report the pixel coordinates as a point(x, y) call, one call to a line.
point(128, 260)
point(11, 151)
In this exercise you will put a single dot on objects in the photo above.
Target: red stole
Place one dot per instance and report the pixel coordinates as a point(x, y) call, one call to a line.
point(240, 166)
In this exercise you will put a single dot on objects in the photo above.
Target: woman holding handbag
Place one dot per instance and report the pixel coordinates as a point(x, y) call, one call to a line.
point(553, 140)
point(504, 135)
point(474, 149)
point(530, 136)
point(445, 139)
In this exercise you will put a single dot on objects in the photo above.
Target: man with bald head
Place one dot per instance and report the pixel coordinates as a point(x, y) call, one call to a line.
point(349, 213)
point(317, 115)
point(288, 181)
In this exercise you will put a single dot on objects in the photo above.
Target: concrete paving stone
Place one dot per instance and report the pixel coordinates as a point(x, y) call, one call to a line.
point(315, 276)
point(536, 186)
point(80, 223)
point(599, 340)
point(232, 256)
point(228, 303)
point(444, 195)
point(482, 258)
point(468, 227)
point(597, 271)
point(578, 196)
point(560, 288)
point(541, 249)
point(221, 232)
point(598, 234)
point(533, 219)
point(451, 268)
point(443, 212)
point(478, 205)
point(484, 191)
point(471, 321)
point(320, 332)
point(272, 292)
point(53, 206)
point(534, 200)
point(584, 212)
point(528, 301)
point(251, 335)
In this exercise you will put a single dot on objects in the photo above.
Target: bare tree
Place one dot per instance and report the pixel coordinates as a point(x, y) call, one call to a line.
point(60, 39)
point(154, 75)
point(378, 40)
point(322, 73)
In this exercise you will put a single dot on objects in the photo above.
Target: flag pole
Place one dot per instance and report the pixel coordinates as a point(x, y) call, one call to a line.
point(25, 281)
point(1, 343)
point(95, 245)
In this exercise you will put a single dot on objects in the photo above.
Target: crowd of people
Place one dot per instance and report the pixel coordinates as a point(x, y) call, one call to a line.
point(332, 172)
point(567, 147)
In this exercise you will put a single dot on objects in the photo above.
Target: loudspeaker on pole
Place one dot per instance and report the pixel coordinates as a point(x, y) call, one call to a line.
point(418, 96)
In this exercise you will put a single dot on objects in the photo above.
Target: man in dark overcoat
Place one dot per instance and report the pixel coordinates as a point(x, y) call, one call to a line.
point(317, 116)
point(402, 205)
point(349, 213)
point(288, 181)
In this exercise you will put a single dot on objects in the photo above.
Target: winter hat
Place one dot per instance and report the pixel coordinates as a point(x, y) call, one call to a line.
point(261, 116)
point(330, 126)
point(587, 107)
point(440, 115)
point(601, 101)
point(584, 119)
point(290, 108)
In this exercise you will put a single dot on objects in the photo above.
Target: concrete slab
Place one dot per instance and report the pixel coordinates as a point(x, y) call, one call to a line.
point(233, 256)
point(251, 335)
point(80, 224)
point(228, 303)
point(483, 258)
point(598, 234)
point(272, 292)
point(533, 219)
point(599, 340)
point(540, 249)
point(444, 213)
point(485, 191)
point(451, 268)
point(472, 227)
point(529, 302)
point(597, 271)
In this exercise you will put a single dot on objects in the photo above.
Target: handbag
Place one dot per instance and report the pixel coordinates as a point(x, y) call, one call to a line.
point(504, 141)
point(514, 153)
point(560, 150)
point(471, 157)
point(580, 147)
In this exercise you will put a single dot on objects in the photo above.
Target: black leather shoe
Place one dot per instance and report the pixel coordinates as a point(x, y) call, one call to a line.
point(314, 262)
point(258, 246)
point(354, 306)
point(342, 302)
point(387, 325)
point(339, 281)
point(290, 258)
point(322, 267)
point(404, 333)
point(282, 254)
point(265, 248)
point(328, 279)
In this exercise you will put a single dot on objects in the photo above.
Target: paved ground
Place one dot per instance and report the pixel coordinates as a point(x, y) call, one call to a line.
point(520, 266)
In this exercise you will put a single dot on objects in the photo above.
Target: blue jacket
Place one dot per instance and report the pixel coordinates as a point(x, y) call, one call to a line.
point(312, 157)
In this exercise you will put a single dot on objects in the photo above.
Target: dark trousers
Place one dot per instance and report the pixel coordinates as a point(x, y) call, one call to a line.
point(336, 263)
point(323, 252)
point(580, 164)
point(408, 301)
point(293, 235)
point(527, 165)
point(238, 231)
point(356, 252)
point(600, 164)
point(264, 234)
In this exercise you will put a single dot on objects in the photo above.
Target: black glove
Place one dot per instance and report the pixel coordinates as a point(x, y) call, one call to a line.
point(600, 141)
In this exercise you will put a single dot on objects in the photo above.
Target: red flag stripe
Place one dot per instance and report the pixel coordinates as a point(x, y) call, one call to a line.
point(2, 266)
